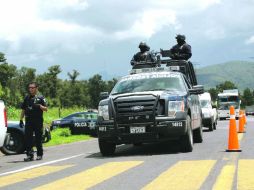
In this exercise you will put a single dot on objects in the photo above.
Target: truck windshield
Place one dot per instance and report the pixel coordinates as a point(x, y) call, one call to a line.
point(149, 84)
point(229, 99)
point(205, 103)
point(226, 101)
point(226, 105)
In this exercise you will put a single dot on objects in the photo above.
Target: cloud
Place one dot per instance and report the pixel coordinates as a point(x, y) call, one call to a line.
point(183, 6)
point(215, 33)
point(164, 15)
point(26, 32)
point(60, 31)
point(250, 40)
point(63, 4)
point(150, 22)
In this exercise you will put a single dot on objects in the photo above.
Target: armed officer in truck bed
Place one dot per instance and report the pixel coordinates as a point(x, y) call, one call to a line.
point(32, 108)
point(179, 54)
point(144, 56)
point(180, 51)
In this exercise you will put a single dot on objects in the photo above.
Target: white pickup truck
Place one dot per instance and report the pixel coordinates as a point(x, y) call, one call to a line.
point(3, 123)
point(209, 114)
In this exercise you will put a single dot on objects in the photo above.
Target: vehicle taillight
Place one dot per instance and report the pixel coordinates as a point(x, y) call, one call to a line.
point(5, 117)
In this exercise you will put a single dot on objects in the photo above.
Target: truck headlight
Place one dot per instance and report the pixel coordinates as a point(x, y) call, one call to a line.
point(175, 106)
point(103, 112)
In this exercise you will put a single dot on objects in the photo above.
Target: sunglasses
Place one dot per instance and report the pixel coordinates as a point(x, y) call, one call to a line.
point(31, 87)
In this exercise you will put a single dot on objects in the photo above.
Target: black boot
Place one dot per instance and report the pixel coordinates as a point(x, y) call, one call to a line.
point(29, 157)
point(39, 158)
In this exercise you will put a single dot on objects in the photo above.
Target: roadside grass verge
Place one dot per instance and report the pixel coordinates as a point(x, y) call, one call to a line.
point(52, 113)
point(59, 135)
point(63, 136)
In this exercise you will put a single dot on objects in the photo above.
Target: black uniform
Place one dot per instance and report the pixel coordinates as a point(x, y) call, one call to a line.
point(181, 52)
point(34, 122)
point(145, 56)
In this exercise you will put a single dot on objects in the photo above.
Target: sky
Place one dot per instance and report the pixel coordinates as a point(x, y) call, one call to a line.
point(94, 36)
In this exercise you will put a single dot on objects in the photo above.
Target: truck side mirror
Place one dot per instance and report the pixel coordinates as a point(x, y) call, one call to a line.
point(197, 89)
point(104, 95)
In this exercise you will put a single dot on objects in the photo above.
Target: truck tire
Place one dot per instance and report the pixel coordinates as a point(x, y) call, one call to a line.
point(107, 148)
point(211, 127)
point(187, 139)
point(198, 135)
point(16, 144)
point(214, 125)
point(46, 137)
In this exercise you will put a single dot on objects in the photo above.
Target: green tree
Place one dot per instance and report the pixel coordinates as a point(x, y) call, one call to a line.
point(7, 71)
point(225, 86)
point(53, 72)
point(73, 76)
point(24, 77)
point(247, 98)
point(111, 84)
point(49, 83)
point(95, 86)
point(2, 58)
point(214, 93)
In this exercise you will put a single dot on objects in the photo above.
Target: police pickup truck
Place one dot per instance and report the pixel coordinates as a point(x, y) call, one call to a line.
point(151, 105)
point(3, 123)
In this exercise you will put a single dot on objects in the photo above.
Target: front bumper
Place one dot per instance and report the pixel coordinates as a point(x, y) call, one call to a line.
point(164, 129)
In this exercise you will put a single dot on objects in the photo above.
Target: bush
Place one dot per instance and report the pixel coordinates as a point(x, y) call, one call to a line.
point(64, 132)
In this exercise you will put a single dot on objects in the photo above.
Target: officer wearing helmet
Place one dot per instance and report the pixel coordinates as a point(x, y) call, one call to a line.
point(144, 55)
point(180, 51)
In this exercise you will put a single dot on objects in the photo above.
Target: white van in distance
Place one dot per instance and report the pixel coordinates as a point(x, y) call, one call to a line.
point(209, 114)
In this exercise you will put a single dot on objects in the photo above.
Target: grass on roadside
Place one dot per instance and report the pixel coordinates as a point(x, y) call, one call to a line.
point(59, 135)
point(63, 136)
point(52, 113)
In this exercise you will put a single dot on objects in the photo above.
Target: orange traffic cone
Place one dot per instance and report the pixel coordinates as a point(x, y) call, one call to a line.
point(244, 116)
point(233, 144)
point(241, 122)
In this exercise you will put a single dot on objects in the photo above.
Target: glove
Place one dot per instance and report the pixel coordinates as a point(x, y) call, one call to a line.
point(21, 124)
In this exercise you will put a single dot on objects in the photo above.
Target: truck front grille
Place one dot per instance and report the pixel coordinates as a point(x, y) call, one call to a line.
point(136, 109)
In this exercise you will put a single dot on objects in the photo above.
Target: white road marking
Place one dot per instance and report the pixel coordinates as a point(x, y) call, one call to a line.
point(42, 164)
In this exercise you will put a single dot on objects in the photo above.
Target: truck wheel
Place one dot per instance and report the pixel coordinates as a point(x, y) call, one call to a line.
point(187, 139)
point(107, 148)
point(16, 144)
point(198, 135)
point(214, 125)
point(211, 127)
point(46, 136)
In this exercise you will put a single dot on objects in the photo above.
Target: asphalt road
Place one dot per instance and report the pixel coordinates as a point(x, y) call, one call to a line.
point(151, 166)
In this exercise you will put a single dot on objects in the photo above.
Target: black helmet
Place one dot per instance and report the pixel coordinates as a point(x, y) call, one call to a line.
point(180, 37)
point(142, 44)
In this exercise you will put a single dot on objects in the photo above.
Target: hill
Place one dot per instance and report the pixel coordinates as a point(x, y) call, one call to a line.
point(238, 72)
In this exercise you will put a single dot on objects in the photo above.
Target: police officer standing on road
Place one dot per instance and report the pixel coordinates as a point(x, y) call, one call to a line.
point(144, 55)
point(180, 51)
point(32, 108)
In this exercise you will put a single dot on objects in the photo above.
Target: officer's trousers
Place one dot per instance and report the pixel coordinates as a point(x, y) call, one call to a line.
point(31, 129)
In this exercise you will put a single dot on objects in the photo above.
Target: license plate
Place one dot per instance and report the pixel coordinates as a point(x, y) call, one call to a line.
point(137, 129)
